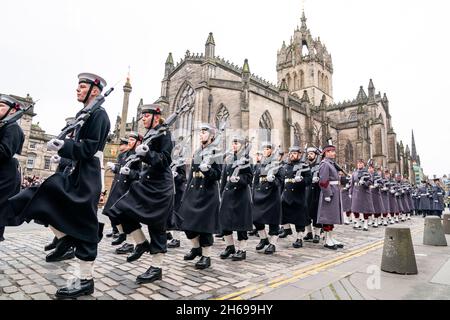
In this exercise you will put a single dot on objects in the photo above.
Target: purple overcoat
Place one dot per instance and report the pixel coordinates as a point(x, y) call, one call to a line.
point(329, 212)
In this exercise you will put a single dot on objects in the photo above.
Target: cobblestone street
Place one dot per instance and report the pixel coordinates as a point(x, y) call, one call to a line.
point(24, 274)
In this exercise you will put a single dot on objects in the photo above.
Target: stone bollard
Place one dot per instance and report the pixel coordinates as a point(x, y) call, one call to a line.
point(446, 223)
point(398, 251)
point(433, 233)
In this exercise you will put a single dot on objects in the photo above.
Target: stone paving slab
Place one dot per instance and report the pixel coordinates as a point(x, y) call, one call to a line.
point(24, 274)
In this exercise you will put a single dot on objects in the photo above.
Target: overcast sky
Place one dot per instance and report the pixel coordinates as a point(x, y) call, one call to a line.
point(402, 45)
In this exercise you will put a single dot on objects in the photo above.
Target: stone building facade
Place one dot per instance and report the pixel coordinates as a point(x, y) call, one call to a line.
point(35, 158)
point(298, 110)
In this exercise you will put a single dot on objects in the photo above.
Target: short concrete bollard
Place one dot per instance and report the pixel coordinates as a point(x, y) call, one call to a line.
point(398, 251)
point(446, 223)
point(433, 233)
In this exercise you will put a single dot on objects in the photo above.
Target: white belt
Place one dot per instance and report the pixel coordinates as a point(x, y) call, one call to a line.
point(99, 155)
point(334, 183)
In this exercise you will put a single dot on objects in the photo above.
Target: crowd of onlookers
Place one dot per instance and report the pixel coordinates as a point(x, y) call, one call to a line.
point(31, 181)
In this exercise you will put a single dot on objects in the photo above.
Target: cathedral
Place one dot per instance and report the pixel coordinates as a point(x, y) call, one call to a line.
point(298, 110)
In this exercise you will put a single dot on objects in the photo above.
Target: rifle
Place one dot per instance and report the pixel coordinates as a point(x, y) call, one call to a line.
point(339, 168)
point(15, 116)
point(85, 113)
point(179, 159)
point(315, 169)
point(209, 152)
point(244, 161)
point(152, 133)
point(273, 165)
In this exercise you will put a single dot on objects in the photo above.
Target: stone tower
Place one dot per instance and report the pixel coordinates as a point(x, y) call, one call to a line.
point(126, 100)
point(305, 64)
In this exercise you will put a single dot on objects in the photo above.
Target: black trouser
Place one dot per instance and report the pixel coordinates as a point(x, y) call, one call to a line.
point(242, 235)
point(300, 228)
point(274, 229)
point(205, 239)
point(85, 251)
point(315, 224)
point(114, 223)
point(2, 232)
point(158, 238)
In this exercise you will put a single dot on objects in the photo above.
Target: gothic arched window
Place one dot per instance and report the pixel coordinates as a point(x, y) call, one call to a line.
point(289, 81)
point(378, 142)
point(349, 153)
point(185, 120)
point(295, 85)
point(297, 135)
point(265, 126)
point(302, 79)
point(222, 116)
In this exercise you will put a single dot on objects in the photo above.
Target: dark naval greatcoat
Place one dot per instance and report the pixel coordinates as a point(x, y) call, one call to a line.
point(235, 212)
point(68, 202)
point(11, 142)
point(121, 183)
point(150, 200)
point(266, 207)
point(294, 204)
point(200, 205)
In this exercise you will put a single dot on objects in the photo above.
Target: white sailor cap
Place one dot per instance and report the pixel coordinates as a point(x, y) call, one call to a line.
point(208, 127)
point(267, 144)
point(312, 149)
point(152, 109)
point(295, 149)
point(11, 102)
point(238, 138)
point(92, 79)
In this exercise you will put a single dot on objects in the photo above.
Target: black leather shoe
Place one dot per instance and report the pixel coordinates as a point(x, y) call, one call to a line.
point(262, 243)
point(77, 289)
point(52, 245)
point(298, 244)
point(169, 236)
point(285, 233)
point(239, 256)
point(125, 249)
point(119, 240)
point(113, 232)
point(174, 243)
point(333, 247)
point(194, 253)
point(151, 275)
point(138, 251)
point(316, 239)
point(63, 251)
point(308, 237)
point(52, 257)
point(270, 249)
point(203, 263)
point(228, 252)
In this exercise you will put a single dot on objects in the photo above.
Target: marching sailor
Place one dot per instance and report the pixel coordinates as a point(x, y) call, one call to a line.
point(235, 211)
point(150, 200)
point(313, 195)
point(266, 207)
point(11, 142)
point(297, 178)
point(200, 205)
point(68, 203)
point(120, 186)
